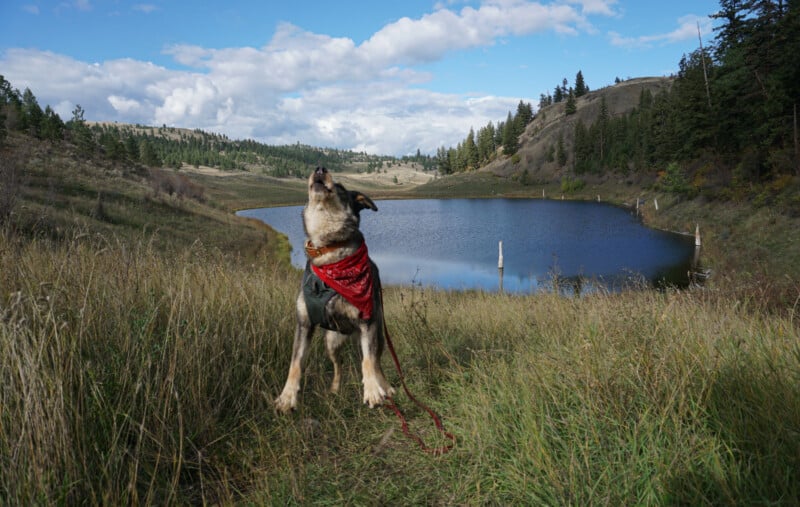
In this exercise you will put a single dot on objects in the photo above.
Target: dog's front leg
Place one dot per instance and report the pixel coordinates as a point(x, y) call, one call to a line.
point(376, 388)
point(302, 339)
point(333, 341)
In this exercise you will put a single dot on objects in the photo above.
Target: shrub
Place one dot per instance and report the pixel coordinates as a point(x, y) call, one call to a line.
point(569, 185)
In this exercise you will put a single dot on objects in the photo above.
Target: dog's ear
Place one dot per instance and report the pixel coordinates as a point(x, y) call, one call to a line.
point(361, 201)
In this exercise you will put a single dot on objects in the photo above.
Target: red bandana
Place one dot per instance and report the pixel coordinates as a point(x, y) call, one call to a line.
point(352, 278)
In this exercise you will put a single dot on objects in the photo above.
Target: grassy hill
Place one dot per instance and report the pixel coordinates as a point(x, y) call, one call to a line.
point(552, 123)
point(144, 334)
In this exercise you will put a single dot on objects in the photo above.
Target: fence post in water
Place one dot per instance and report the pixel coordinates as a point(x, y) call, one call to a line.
point(500, 266)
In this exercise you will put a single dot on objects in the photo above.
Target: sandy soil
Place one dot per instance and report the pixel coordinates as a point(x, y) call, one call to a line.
point(396, 176)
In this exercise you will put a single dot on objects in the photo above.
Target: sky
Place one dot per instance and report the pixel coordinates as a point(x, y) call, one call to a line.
point(383, 77)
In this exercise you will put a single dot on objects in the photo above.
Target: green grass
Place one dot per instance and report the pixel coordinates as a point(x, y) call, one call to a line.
point(141, 349)
point(130, 376)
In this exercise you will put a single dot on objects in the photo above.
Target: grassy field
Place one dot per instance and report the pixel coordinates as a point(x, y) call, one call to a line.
point(129, 376)
point(143, 339)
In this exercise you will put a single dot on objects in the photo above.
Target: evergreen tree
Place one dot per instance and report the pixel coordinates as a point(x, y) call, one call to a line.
point(603, 127)
point(558, 95)
point(471, 151)
point(32, 114)
point(524, 114)
point(132, 149)
point(510, 137)
point(80, 133)
point(580, 86)
point(52, 126)
point(571, 106)
point(486, 144)
point(148, 155)
point(443, 161)
point(561, 151)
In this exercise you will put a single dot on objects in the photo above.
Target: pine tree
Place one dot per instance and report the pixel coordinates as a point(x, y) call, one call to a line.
point(80, 133)
point(561, 152)
point(470, 151)
point(510, 137)
point(558, 96)
point(580, 85)
point(571, 106)
point(32, 114)
point(52, 126)
point(524, 113)
point(602, 124)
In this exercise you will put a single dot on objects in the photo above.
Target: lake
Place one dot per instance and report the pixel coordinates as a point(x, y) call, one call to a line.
point(453, 244)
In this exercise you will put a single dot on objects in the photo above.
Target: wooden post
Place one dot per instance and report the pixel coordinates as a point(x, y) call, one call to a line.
point(543, 194)
point(697, 235)
point(500, 256)
point(655, 201)
point(598, 197)
point(500, 266)
point(637, 206)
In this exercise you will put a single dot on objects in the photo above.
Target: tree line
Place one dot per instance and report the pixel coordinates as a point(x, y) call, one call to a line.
point(477, 150)
point(170, 147)
point(732, 105)
point(728, 122)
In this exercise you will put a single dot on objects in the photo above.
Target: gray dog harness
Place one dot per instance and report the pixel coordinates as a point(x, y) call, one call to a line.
point(317, 294)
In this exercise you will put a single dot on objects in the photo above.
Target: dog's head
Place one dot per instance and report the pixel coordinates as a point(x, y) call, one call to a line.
point(333, 212)
point(323, 191)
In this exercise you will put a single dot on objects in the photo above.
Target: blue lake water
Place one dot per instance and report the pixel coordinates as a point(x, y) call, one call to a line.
point(453, 244)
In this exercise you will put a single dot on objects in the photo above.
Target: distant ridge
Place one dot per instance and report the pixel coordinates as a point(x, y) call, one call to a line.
point(551, 122)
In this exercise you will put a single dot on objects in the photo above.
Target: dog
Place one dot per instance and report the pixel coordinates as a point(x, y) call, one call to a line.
point(340, 290)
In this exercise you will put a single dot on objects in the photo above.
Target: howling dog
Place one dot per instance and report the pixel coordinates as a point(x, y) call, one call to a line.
point(340, 290)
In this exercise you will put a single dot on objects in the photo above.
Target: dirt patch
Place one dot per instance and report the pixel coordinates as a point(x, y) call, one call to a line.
point(396, 176)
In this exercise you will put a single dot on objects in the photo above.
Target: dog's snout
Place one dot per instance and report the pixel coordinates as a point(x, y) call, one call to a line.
point(320, 171)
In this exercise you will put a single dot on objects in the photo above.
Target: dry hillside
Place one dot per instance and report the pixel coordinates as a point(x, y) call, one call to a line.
point(552, 122)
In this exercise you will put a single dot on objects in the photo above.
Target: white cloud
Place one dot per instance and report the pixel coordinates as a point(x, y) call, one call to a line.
point(686, 30)
point(122, 104)
point(145, 8)
point(303, 86)
point(31, 9)
point(82, 5)
point(604, 7)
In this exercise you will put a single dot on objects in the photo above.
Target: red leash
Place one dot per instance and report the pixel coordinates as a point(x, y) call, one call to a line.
point(438, 451)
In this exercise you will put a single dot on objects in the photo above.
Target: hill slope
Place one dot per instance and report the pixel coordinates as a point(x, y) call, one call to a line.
point(552, 123)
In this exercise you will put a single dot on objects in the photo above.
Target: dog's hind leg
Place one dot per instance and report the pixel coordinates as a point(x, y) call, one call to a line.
point(302, 339)
point(333, 341)
point(376, 387)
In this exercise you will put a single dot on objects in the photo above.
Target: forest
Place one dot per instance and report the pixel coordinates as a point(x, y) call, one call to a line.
point(729, 118)
point(172, 147)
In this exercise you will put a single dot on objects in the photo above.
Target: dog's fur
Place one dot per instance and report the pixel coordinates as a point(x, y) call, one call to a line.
point(332, 217)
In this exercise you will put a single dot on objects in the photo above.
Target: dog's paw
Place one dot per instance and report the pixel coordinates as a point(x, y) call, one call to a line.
point(375, 394)
point(286, 402)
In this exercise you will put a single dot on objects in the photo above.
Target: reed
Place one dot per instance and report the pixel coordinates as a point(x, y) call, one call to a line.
point(129, 375)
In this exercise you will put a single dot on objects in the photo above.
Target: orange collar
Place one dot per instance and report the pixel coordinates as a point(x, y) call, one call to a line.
point(314, 252)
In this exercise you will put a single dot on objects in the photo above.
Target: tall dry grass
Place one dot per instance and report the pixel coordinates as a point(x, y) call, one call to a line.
point(130, 376)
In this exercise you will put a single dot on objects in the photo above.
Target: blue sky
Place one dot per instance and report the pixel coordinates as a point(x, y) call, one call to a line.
point(383, 77)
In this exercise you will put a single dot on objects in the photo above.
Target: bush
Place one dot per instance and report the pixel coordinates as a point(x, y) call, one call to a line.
point(674, 181)
point(10, 177)
point(569, 185)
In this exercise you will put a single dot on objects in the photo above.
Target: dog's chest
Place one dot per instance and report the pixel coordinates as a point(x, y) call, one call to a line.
point(322, 221)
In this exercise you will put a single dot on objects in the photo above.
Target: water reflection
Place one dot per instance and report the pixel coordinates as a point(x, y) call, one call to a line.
point(453, 244)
